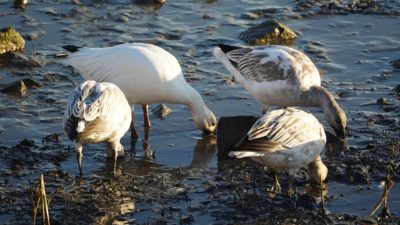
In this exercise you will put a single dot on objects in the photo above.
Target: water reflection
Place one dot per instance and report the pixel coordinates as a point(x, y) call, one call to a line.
point(204, 151)
point(148, 151)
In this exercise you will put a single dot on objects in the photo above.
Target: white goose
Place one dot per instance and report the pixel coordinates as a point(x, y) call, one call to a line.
point(283, 76)
point(97, 112)
point(286, 139)
point(145, 73)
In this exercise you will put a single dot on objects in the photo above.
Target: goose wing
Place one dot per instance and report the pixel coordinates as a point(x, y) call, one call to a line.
point(279, 130)
point(270, 63)
point(93, 101)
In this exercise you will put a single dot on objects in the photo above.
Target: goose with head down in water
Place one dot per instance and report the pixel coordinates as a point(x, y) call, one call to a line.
point(281, 76)
point(286, 139)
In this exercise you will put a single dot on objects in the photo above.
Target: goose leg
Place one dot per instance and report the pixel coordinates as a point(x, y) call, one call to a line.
point(78, 147)
point(146, 115)
point(146, 144)
point(118, 150)
point(291, 189)
point(134, 134)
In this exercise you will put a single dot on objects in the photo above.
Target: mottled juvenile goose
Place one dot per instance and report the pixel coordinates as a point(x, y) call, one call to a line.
point(145, 73)
point(282, 76)
point(97, 112)
point(286, 139)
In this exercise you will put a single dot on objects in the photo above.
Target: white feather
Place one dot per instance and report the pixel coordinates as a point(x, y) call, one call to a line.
point(81, 126)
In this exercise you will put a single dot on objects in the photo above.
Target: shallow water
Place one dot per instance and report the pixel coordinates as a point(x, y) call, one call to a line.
point(352, 51)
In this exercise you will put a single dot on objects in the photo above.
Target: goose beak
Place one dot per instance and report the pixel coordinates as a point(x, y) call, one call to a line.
point(210, 130)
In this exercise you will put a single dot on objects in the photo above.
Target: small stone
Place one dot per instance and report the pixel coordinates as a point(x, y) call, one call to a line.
point(382, 101)
point(10, 40)
point(268, 32)
point(7, 172)
point(145, 2)
point(51, 138)
point(358, 174)
point(186, 219)
point(15, 88)
point(77, 2)
point(124, 19)
point(396, 63)
point(20, 4)
point(32, 36)
point(161, 111)
point(397, 90)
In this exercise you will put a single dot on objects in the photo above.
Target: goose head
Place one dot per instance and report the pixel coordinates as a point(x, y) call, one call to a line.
point(205, 120)
point(337, 119)
point(317, 171)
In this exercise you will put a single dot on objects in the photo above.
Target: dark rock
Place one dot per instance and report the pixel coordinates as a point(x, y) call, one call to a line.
point(382, 101)
point(17, 59)
point(161, 111)
point(364, 5)
point(15, 88)
point(358, 174)
point(396, 63)
point(397, 90)
point(10, 40)
point(389, 108)
point(26, 143)
point(230, 130)
point(268, 32)
point(334, 7)
point(51, 138)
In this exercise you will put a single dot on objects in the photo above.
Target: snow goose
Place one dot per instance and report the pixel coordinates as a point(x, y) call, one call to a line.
point(97, 112)
point(283, 76)
point(286, 139)
point(145, 73)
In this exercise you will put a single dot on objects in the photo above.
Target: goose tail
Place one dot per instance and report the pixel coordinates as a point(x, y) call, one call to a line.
point(227, 48)
point(220, 53)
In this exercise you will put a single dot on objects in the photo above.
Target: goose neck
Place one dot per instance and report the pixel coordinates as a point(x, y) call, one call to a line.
point(318, 96)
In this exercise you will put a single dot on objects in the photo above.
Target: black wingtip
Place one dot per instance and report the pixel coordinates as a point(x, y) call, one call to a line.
point(71, 48)
point(227, 48)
